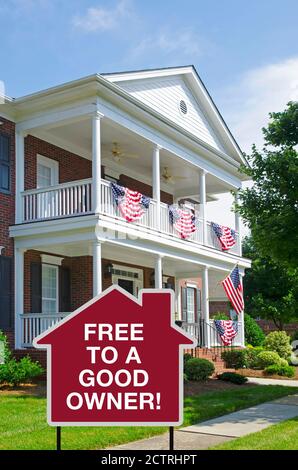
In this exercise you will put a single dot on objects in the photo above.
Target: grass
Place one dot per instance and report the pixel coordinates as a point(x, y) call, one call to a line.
point(281, 436)
point(23, 419)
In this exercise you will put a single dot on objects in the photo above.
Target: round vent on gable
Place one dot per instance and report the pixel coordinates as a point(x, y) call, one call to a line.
point(183, 107)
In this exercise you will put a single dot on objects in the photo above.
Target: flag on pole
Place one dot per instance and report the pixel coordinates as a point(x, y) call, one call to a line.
point(225, 235)
point(132, 204)
point(233, 288)
point(227, 330)
point(183, 220)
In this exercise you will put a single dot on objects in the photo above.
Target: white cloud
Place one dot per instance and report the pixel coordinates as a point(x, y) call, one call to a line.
point(247, 103)
point(98, 19)
point(185, 43)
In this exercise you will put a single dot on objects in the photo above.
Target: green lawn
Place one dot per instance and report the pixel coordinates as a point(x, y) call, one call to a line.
point(281, 436)
point(23, 419)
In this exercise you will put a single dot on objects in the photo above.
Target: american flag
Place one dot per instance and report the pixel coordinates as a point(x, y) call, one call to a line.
point(233, 288)
point(227, 330)
point(131, 203)
point(225, 235)
point(183, 220)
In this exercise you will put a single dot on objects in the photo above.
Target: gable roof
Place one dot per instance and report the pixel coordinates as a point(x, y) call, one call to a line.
point(199, 91)
point(179, 335)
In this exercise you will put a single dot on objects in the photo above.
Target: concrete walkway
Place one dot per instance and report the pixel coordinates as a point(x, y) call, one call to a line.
point(261, 381)
point(218, 430)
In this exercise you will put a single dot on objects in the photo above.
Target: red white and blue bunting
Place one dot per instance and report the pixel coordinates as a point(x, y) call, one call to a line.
point(227, 330)
point(132, 204)
point(225, 235)
point(183, 220)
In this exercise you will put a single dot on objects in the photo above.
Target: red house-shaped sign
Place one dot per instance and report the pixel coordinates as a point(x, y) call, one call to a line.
point(117, 360)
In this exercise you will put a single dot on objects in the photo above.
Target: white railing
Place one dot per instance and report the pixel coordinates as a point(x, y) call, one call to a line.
point(33, 324)
point(237, 341)
point(63, 200)
point(75, 198)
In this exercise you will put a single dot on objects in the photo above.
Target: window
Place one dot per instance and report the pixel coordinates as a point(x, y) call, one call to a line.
point(4, 162)
point(47, 172)
point(49, 289)
point(191, 304)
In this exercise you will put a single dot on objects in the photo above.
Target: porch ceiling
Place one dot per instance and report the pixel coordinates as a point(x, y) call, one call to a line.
point(76, 137)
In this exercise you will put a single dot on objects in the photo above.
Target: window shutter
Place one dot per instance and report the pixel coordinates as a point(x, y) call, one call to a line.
point(184, 303)
point(6, 293)
point(64, 290)
point(35, 270)
point(4, 162)
point(198, 302)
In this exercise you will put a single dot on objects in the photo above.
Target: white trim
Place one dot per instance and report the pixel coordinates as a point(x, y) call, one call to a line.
point(49, 259)
point(1, 249)
point(56, 268)
point(138, 283)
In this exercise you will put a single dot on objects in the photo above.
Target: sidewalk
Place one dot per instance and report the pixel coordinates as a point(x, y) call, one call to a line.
point(218, 430)
point(265, 381)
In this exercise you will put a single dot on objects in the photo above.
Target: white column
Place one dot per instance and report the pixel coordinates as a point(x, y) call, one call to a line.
point(19, 295)
point(156, 182)
point(97, 269)
point(178, 298)
point(20, 174)
point(238, 225)
point(205, 303)
point(202, 182)
point(96, 162)
point(158, 272)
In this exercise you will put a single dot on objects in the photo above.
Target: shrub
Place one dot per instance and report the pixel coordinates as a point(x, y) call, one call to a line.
point(7, 353)
point(268, 358)
point(232, 377)
point(282, 370)
point(279, 342)
point(15, 372)
point(235, 359)
point(254, 335)
point(283, 362)
point(252, 357)
point(186, 358)
point(198, 369)
point(221, 316)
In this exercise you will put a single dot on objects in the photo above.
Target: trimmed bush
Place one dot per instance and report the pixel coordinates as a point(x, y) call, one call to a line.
point(7, 353)
point(282, 370)
point(235, 359)
point(16, 372)
point(220, 316)
point(279, 342)
point(268, 358)
point(253, 333)
point(232, 377)
point(198, 369)
point(252, 357)
point(186, 358)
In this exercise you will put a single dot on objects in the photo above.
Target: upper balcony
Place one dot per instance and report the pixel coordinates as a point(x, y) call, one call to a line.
point(65, 170)
point(75, 199)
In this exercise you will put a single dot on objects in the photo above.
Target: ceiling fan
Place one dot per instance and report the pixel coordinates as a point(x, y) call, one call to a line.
point(118, 154)
point(169, 178)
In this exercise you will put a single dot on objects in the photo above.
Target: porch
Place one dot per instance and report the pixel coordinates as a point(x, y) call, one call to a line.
point(64, 278)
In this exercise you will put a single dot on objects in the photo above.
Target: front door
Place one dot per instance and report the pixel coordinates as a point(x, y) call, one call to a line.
point(127, 285)
point(47, 175)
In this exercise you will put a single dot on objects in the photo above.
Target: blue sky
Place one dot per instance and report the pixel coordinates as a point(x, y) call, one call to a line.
point(246, 52)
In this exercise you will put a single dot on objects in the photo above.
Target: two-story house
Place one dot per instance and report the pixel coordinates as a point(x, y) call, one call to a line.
point(68, 152)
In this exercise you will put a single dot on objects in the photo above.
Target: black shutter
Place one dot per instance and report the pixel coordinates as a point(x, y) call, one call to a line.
point(198, 310)
point(184, 303)
point(64, 289)
point(4, 162)
point(35, 270)
point(6, 293)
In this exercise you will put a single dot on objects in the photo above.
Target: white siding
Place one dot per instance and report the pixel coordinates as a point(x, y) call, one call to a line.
point(164, 95)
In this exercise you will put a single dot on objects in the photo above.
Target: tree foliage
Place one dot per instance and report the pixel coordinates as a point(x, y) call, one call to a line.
point(270, 207)
point(270, 288)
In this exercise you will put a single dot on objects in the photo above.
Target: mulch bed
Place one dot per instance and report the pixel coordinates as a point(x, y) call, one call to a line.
point(261, 374)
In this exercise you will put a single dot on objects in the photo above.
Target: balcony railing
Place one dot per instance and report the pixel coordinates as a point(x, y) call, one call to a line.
point(33, 324)
point(75, 198)
point(206, 333)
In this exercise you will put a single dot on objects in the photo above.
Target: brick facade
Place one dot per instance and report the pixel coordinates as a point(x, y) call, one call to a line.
point(219, 306)
point(72, 167)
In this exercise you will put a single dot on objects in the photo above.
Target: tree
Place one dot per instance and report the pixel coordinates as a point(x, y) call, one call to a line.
point(270, 288)
point(270, 207)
